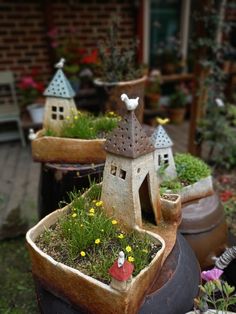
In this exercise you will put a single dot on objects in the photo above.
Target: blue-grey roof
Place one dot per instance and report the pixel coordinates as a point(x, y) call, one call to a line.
point(160, 139)
point(59, 86)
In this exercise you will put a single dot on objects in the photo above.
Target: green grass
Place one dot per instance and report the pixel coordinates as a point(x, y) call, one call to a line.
point(17, 288)
point(88, 240)
point(86, 126)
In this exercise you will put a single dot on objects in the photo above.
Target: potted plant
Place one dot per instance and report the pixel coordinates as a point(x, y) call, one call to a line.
point(216, 295)
point(152, 90)
point(193, 178)
point(177, 105)
point(30, 89)
point(118, 74)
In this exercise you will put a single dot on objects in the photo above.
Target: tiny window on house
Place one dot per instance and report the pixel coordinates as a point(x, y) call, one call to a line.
point(113, 170)
point(122, 174)
point(159, 160)
point(166, 159)
point(57, 113)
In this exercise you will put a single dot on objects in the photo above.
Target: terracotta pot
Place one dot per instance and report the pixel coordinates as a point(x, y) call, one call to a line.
point(204, 227)
point(152, 100)
point(176, 115)
point(67, 150)
point(84, 291)
point(109, 95)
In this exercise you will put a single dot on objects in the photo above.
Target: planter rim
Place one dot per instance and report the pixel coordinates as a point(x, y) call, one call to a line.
point(63, 211)
point(99, 82)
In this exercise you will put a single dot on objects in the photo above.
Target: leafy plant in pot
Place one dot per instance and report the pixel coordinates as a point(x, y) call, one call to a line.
point(177, 105)
point(119, 73)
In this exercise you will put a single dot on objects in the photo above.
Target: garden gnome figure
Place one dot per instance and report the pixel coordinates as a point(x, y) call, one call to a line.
point(59, 100)
point(163, 155)
point(121, 273)
point(129, 167)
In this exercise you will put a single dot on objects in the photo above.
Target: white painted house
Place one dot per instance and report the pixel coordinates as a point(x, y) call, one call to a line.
point(163, 155)
point(59, 101)
point(130, 186)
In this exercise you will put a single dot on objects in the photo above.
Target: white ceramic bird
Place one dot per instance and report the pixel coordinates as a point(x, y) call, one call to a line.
point(131, 104)
point(121, 259)
point(60, 64)
point(31, 135)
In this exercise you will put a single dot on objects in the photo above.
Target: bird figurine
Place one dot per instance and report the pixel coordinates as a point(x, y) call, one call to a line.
point(60, 64)
point(131, 104)
point(31, 135)
point(162, 121)
point(121, 259)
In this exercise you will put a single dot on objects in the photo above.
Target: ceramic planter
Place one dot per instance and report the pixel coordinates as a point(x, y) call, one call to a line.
point(67, 150)
point(109, 95)
point(83, 291)
point(202, 188)
point(36, 112)
point(171, 207)
point(197, 190)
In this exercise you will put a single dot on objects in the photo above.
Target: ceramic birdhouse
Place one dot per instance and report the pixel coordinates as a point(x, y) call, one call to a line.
point(121, 273)
point(130, 187)
point(163, 155)
point(59, 100)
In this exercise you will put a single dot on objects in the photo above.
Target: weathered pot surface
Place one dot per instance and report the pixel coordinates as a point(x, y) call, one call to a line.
point(204, 227)
point(171, 208)
point(67, 150)
point(83, 290)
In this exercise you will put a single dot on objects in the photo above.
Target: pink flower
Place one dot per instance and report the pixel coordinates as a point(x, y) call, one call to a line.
point(213, 274)
point(226, 195)
point(27, 82)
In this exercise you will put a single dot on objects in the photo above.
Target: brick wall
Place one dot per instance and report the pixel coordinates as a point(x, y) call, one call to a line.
point(24, 27)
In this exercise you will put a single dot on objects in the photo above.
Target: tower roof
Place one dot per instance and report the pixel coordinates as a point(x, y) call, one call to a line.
point(160, 138)
point(129, 139)
point(59, 86)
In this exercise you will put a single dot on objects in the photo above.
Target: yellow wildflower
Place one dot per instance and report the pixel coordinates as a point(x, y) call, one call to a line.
point(121, 236)
point(128, 248)
point(97, 241)
point(102, 230)
point(94, 201)
point(74, 215)
point(131, 259)
point(114, 222)
point(82, 253)
point(91, 214)
point(67, 117)
point(81, 225)
point(145, 251)
point(91, 210)
point(76, 117)
point(99, 203)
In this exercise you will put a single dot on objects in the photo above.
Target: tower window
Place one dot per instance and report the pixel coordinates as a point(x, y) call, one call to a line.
point(57, 113)
point(122, 174)
point(166, 159)
point(113, 170)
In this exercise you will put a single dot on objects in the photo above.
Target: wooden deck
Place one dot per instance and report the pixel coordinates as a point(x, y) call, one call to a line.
point(20, 177)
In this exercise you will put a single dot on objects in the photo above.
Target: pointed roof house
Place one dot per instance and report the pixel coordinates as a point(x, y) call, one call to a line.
point(129, 165)
point(59, 101)
point(163, 155)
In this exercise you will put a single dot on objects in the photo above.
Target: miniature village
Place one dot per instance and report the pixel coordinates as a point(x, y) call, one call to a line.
point(130, 195)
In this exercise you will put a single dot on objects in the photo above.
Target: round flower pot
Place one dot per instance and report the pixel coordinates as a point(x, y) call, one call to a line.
point(109, 95)
point(67, 150)
point(204, 227)
point(83, 291)
point(36, 112)
point(176, 115)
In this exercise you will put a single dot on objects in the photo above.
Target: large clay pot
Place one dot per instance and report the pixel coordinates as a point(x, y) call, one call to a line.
point(109, 95)
point(176, 115)
point(204, 227)
point(173, 291)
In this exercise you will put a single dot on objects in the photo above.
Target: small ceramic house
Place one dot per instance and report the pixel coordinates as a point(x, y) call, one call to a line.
point(163, 155)
point(59, 101)
point(130, 188)
point(121, 273)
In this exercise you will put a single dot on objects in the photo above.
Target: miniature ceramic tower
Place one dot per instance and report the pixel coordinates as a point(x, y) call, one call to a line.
point(163, 155)
point(128, 169)
point(59, 100)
